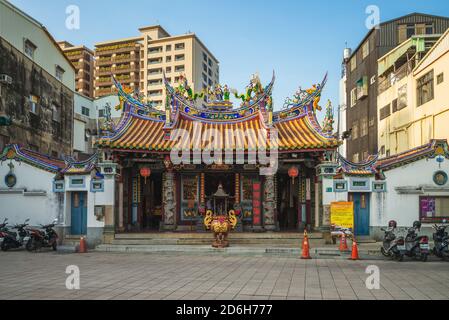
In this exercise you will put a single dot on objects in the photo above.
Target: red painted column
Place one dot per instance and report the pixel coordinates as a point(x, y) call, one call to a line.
point(257, 205)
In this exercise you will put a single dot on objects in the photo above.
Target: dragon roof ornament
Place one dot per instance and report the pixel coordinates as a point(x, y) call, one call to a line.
point(300, 101)
point(217, 105)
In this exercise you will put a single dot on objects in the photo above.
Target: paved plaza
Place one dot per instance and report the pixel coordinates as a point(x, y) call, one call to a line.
point(162, 276)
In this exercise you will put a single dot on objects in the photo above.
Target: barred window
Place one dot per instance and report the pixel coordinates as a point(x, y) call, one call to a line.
point(384, 112)
point(424, 88)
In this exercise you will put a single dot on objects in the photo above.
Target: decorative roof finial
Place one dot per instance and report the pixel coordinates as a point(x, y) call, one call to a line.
point(328, 122)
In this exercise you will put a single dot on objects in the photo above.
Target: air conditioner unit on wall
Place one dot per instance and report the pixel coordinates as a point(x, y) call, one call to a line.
point(4, 78)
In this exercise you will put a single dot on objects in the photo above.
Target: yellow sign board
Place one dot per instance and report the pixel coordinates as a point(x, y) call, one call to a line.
point(342, 214)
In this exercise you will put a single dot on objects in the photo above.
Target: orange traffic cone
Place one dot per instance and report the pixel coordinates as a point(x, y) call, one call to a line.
point(305, 247)
point(343, 244)
point(83, 245)
point(355, 251)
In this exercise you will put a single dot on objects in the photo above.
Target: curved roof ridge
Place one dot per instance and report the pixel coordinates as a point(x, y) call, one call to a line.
point(313, 121)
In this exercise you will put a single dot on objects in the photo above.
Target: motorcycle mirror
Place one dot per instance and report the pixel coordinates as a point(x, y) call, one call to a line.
point(27, 220)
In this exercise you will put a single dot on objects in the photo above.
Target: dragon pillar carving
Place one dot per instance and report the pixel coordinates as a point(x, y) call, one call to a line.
point(169, 200)
point(269, 203)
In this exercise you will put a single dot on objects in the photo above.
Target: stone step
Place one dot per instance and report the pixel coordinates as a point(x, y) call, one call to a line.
point(292, 239)
point(319, 252)
point(208, 235)
point(206, 241)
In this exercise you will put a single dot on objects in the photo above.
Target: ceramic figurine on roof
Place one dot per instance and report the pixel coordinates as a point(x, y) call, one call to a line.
point(216, 105)
point(304, 97)
point(185, 90)
point(253, 90)
point(328, 122)
point(226, 93)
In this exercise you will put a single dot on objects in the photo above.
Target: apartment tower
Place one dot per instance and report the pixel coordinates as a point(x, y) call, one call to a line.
point(82, 59)
point(119, 58)
point(175, 55)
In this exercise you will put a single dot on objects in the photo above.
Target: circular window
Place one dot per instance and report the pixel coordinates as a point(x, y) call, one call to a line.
point(10, 180)
point(440, 178)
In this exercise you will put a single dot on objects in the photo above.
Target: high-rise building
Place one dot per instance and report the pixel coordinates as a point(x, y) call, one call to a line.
point(174, 55)
point(140, 62)
point(82, 59)
point(362, 82)
point(119, 58)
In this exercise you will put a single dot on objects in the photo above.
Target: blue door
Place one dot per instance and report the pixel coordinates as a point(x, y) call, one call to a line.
point(361, 213)
point(79, 213)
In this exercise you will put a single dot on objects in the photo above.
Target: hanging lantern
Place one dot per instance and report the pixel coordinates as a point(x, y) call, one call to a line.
point(145, 172)
point(293, 172)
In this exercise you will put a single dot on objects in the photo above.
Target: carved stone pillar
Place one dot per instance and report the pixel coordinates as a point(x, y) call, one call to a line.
point(269, 203)
point(169, 200)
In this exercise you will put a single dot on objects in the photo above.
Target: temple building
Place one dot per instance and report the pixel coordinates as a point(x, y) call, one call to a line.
point(172, 164)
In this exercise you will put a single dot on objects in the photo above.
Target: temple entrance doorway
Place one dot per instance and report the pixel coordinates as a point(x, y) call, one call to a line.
point(150, 214)
point(212, 183)
point(287, 203)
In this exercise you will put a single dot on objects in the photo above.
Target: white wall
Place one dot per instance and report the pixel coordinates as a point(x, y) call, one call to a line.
point(41, 209)
point(329, 197)
point(82, 101)
point(404, 208)
point(79, 143)
point(113, 100)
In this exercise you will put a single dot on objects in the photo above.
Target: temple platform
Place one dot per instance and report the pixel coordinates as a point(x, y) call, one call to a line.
point(318, 250)
point(291, 239)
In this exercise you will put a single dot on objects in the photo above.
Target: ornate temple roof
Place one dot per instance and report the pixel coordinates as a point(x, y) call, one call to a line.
point(44, 162)
point(371, 166)
point(367, 167)
point(145, 128)
point(435, 148)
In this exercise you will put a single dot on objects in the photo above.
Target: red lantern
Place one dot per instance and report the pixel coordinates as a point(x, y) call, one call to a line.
point(293, 172)
point(145, 172)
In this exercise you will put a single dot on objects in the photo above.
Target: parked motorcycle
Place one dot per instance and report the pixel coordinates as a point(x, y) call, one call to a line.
point(3, 230)
point(17, 239)
point(441, 242)
point(390, 242)
point(415, 246)
point(46, 238)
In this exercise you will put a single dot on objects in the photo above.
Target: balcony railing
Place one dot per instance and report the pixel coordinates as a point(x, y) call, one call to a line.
point(124, 58)
point(103, 62)
point(104, 91)
point(395, 76)
point(118, 50)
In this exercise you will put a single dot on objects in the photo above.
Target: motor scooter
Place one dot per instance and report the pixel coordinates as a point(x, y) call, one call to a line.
point(17, 239)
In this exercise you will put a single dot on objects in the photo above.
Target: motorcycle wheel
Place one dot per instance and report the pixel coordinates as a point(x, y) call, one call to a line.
point(33, 245)
point(29, 246)
point(384, 253)
point(424, 257)
point(4, 247)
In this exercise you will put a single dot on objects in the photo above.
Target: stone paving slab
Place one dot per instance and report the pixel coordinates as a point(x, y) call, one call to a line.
point(121, 276)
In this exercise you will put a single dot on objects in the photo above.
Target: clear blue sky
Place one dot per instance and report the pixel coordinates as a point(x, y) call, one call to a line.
point(299, 39)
